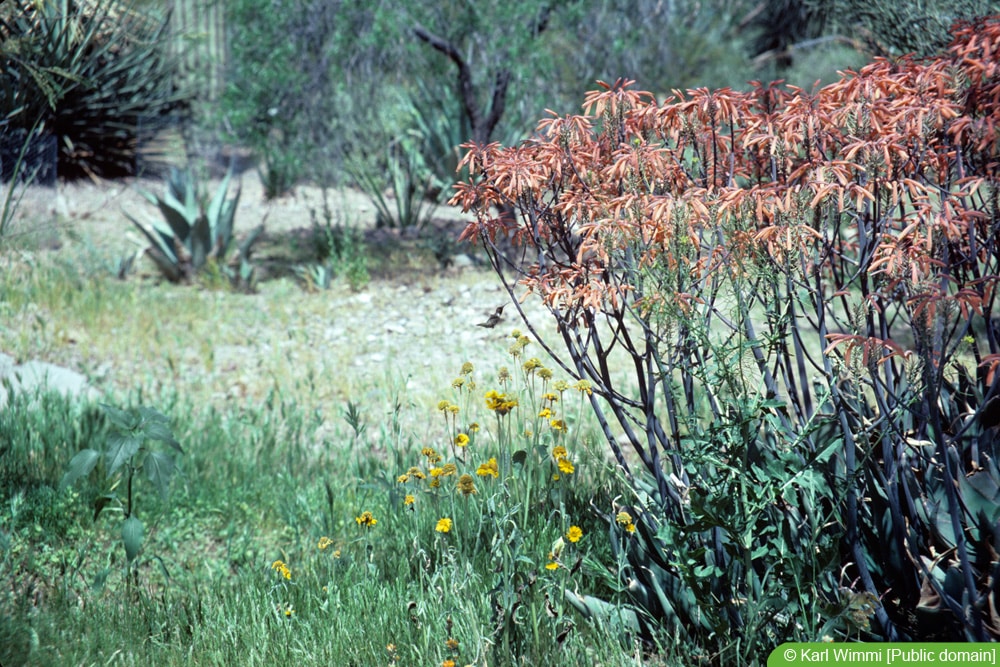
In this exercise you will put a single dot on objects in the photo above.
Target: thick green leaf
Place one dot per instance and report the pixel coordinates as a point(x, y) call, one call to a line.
point(125, 421)
point(121, 448)
point(132, 534)
point(79, 466)
point(159, 469)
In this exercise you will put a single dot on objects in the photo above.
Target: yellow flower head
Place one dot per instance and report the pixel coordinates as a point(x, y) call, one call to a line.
point(523, 342)
point(624, 519)
point(403, 479)
point(566, 466)
point(499, 403)
point(559, 452)
point(451, 644)
point(436, 472)
point(545, 373)
point(550, 396)
point(515, 334)
point(324, 542)
point(583, 386)
point(432, 456)
point(457, 383)
point(366, 520)
point(558, 425)
point(289, 611)
point(560, 385)
point(409, 500)
point(448, 663)
point(574, 534)
point(474, 427)
point(466, 485)
point(553, 564)
point(514, 350)
point(454, 409)
point(280, 567)
point(434, 483)
point(416, 473)
point(443, 405)
point(545, 413)
point(532, 365)
point(449, 469)
point(489, 468)
point(466, 368)
point(443, 525)
point(461, 440)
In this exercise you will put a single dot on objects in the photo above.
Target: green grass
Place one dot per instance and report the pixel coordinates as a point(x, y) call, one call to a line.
point(314, 440)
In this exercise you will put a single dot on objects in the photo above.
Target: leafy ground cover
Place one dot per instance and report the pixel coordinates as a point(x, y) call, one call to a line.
point(367, 477)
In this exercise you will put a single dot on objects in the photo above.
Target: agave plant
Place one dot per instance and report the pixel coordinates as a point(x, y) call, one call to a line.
point(192, 234)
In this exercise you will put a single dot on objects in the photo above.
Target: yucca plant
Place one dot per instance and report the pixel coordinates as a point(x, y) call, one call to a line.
point(194, 232)
point(95, 72)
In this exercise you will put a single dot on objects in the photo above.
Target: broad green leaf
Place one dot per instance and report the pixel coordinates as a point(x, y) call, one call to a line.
point(79, 466)
point(125, 421)
point(519, 457)
point(159, 468)
point(121, 448)
point(161, 432)
point(132, 534)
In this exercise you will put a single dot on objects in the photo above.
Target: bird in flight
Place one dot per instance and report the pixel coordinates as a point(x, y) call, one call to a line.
point(494, 319)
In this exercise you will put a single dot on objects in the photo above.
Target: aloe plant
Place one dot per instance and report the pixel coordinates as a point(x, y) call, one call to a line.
point(193, 233)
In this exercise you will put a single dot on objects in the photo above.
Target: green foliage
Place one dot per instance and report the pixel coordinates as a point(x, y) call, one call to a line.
point(94, 73)
point(402, 193)
point(195, 233)
point(340, 250)
point(126, 454)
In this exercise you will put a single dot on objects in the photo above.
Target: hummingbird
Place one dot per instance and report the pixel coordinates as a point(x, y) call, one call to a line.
point(494, 319)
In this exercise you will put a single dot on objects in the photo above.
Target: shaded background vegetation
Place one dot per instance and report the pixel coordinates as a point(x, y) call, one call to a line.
point(333, 91)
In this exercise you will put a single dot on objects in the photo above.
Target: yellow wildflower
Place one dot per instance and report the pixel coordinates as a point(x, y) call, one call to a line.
point(443, 405)
point(523, 342)
point(466, 485)
point(558, 425)
point(553, 564)
point(574, 534)
point(280, 567)
point(451, 644)
point(434, 483)
point(550, 396)
point(474, 427)
point(289, 611)
point(443, 525)
point(531, 365)
point(489, 468)
point(457, 383)
point(624, 519)
point(409, 500)
point(461, 440)
point(515, 334)
point(449, 469)
point(584, 386)
point(366, 520)
point(545, 374)
point(566, 466)
point(545, 413)
point(403, 479)
point(416, 473)
point(559, 452)
point(466, 368)
point(324, 542)
point(454, 409)
point(448, 663)
point(560, 385)
point(436, 472)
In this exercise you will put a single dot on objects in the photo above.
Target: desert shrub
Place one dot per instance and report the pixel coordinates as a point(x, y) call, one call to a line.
point(801, 286)
point(96, 75)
